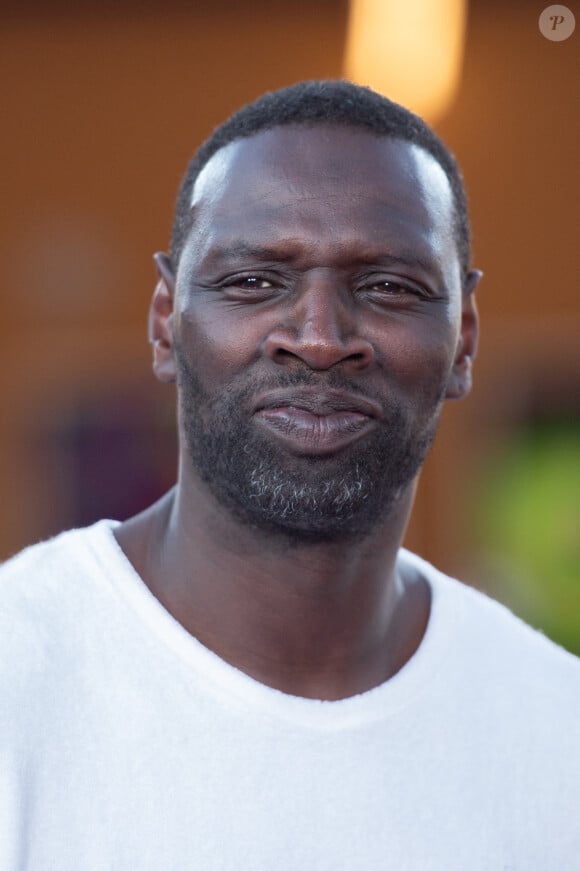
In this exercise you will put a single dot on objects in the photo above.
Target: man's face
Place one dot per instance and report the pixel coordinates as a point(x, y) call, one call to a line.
point(317, 327)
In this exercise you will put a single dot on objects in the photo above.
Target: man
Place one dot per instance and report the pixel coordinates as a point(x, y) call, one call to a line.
point(252, 674)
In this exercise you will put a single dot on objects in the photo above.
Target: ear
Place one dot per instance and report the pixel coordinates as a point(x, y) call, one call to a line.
point(161, 320)
point(459, 383)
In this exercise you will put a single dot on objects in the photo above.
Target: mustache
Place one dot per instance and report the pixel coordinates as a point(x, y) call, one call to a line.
point(243, 389)
point(331, 380)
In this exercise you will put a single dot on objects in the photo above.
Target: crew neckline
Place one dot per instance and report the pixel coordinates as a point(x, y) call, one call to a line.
point(377, 703)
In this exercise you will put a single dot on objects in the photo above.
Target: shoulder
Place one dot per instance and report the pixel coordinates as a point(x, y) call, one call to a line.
point(502, 654)
point(45, 592)
point(47, 567)
point(512, 696)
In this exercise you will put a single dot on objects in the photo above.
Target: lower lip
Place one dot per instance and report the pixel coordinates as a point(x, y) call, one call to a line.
point(314, 434)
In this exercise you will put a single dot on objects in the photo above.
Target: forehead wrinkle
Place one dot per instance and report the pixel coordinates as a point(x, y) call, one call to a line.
point(222, 186)
point(295, 199)
point(290, 250)
point(393, 245)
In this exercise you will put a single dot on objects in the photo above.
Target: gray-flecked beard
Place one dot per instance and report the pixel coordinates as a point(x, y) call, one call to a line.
point(301, 498)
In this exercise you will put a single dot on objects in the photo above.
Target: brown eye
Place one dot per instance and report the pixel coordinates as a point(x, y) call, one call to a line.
point(389, 287)
point(251, 282)
point(249, 288)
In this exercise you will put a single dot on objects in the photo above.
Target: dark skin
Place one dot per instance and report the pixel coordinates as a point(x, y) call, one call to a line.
point(361, 275)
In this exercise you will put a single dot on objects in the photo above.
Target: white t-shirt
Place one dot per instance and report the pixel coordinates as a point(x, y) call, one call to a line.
point(125, 745)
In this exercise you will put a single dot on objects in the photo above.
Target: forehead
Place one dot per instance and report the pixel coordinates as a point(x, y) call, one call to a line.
point(331, 180)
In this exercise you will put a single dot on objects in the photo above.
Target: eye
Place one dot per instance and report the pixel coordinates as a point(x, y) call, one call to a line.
point(387, 289)
point(249, 287)
point(250, 282)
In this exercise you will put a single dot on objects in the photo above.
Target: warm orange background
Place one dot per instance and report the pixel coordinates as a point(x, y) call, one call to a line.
point(102, 108)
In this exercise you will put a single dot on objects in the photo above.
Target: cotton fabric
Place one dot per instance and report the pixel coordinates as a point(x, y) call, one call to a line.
point(125, 744)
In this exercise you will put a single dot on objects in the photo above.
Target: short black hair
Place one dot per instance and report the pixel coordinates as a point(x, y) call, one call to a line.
point(330, 102)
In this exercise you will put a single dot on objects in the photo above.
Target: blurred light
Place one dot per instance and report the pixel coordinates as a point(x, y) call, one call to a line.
point(408, 50)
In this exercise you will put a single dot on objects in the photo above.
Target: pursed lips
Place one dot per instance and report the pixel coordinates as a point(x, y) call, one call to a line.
point(319, 403)
point(316, 422)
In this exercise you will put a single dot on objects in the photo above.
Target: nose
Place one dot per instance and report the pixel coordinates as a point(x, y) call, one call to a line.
point(320, 329)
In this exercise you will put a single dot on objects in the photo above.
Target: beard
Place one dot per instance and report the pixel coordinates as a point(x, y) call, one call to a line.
point(302, 499)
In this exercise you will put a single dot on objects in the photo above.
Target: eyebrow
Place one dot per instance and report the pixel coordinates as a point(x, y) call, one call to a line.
point(252, 252)
point(258, 252)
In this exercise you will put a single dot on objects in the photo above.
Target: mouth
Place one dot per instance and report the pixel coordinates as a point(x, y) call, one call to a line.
point(316, 423)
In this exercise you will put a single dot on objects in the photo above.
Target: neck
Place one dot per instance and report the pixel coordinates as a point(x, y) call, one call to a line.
point(316, 620)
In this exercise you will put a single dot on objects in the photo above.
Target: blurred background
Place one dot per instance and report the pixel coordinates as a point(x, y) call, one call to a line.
point(102, 107)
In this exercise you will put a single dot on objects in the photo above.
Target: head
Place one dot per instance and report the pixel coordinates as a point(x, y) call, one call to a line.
point(316, 310)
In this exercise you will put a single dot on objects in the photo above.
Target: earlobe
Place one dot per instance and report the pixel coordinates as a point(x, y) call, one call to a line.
point(161, 321)
point(460, 381)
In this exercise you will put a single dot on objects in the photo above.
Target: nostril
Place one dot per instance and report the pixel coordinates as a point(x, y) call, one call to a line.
point(285, 346)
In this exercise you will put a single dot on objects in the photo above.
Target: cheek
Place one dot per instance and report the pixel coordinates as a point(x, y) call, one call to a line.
point(217, 344)
point(417, 353)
